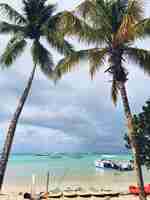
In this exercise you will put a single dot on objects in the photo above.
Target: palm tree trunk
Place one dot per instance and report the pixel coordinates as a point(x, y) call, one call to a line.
point(12, 128)
point(132, 138)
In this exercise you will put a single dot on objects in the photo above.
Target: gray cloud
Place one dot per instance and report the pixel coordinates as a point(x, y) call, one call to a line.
point(75, 115)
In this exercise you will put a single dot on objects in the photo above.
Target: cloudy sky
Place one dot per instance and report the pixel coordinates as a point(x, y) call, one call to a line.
point(75, 115)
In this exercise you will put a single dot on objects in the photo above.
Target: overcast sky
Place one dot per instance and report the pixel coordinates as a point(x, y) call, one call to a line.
point(75, 115)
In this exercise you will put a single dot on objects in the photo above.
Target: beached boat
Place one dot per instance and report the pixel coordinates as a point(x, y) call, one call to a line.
point(103, 193)
point(55, 193)
point(83, 193)
point(95, 192)
point(135, 190)
point(68, 192)
point(112, 165)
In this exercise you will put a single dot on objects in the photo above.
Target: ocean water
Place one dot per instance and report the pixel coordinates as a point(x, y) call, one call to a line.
point(66, 168)
point(59, 163)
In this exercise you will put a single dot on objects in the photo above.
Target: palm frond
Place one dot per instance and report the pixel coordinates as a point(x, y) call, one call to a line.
point(136, 9)
point(96, 58)
point(10, 28)
point(69, 24)
point(143, 28)
point(86, 9)
point(68, 63)
point(94, 12)
point(140, 57)
point(127, 30)
point(114, 92)
point(46, 13)
point(14, 49)
point(104, 10)
point(30, 9)
point(12, 14)
point(42, 57)
point(57, 41)
point(38, 10)
point(54, 21)
point(97, 14)
point(94, 55)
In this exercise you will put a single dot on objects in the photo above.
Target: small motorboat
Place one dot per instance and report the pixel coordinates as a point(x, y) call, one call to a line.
point(135, 190)
point(114, 165)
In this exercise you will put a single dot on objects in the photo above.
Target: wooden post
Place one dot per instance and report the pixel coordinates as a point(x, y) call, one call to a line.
point(47, 182)
point(33, 186)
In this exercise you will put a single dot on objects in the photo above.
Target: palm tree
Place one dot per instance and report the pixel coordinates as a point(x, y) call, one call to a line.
point(115, 25)
point(37, 21)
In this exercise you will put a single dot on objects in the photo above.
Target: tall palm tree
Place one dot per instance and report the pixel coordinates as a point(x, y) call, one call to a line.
point(37, 21)
point(115, 25)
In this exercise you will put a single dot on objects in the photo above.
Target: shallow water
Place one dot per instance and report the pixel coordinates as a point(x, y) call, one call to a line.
point(66, 169)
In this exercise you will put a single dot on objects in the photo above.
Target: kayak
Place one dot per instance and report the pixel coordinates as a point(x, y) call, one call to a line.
point(135, 190)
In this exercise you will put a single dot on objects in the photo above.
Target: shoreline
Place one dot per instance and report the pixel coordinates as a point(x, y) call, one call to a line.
point(121, 196)
point(65, 171)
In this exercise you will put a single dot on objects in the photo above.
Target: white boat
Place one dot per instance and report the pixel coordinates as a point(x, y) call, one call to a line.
point(112, 165)
point(69, 192)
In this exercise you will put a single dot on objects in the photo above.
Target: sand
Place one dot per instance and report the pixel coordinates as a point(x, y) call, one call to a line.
point(16, 193)
point(116, 182)
point(20, 197)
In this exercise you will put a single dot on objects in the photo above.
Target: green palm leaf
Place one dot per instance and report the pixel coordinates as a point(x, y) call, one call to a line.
point(135, 9)
point(68, 63)
point(96, 58)
point(140, 57)
point(42, 57)
point(86, 9)
point(69, 24)
point(57, 41)
point(143, 28)
point(12, 14)
point(46, 13)
point(10, 28)
point(14, 49)
point(94, 13)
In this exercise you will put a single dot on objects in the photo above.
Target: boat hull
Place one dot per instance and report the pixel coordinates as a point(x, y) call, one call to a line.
point(111, 166)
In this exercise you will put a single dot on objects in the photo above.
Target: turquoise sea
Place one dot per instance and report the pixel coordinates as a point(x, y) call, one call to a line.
point(74, 163)
point(66, 168)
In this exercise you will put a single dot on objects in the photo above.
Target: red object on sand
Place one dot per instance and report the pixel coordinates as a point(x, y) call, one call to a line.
point(135, 190)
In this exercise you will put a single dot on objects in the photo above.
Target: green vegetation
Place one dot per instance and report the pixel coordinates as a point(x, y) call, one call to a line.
point(142, 130)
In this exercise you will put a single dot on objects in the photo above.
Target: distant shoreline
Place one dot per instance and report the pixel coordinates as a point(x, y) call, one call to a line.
point(49, 153)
